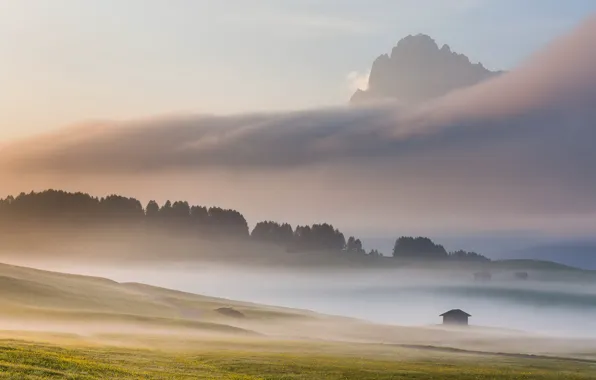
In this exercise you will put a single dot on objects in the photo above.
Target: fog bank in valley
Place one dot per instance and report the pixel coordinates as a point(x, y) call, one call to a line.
point(408, 297)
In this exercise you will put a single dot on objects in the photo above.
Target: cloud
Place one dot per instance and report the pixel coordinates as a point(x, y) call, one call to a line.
point(287, 139)
point(548, 95)
point(358, 80)
point(519, 143)
point(560, 78)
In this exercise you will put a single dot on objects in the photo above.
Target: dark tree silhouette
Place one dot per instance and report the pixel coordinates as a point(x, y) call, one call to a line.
point(374, 253)
point(273, 232)
point(152, 210)
point(354, 246)
point(418, 248)
point(121, 208)
point(199, 217)
point(467, 256)
point(165, 211)
point(55, 207)
point(181, 210)
point(319, 237)
point(229, 222)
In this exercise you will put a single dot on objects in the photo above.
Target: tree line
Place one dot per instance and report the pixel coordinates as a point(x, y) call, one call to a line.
point(81, 209)
point(425, 248)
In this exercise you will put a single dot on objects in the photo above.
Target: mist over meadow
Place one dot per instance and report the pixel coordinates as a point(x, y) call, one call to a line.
point(409, 297)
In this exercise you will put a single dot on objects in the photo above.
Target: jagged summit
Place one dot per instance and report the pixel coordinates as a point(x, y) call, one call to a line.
point(418, 70)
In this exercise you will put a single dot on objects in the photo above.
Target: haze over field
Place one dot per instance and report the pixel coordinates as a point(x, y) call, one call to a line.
point(406, 297)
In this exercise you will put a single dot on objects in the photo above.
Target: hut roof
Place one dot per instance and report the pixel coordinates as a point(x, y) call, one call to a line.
point(455, 312)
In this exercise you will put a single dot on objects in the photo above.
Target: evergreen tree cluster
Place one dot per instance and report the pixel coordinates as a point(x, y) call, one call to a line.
point(420, 247)
point(55, 207)
point(80, 209)
point(425, 249)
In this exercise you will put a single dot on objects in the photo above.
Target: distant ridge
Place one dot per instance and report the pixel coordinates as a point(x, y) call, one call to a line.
point(578, 254)
point(418, 70)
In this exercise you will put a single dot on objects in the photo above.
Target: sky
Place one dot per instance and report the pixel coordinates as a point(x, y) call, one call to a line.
point(70, 61)
point(244, 105)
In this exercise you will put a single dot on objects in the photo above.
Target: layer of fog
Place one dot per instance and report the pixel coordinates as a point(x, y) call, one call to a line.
point(395, 297)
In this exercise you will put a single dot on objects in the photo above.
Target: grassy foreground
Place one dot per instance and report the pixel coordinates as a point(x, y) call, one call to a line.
point(27, 360)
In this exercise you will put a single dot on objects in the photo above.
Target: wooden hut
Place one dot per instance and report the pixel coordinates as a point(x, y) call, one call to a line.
point(455, 317)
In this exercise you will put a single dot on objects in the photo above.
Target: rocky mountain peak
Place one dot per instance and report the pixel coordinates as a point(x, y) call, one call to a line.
point(418, 70)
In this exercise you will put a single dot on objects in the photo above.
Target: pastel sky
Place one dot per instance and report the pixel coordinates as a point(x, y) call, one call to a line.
point(68, 61)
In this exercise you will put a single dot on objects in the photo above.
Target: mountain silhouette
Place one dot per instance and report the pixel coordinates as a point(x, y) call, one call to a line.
point(418, 70)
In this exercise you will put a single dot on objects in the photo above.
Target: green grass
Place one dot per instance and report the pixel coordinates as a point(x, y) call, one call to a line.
point(26, 360)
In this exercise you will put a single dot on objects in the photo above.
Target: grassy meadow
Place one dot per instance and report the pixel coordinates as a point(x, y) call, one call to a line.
point(21, 359)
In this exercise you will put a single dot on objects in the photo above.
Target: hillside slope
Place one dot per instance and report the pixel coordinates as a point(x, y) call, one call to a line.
point(34, 299)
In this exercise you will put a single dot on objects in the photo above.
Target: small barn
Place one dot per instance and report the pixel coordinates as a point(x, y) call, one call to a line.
point(455, 317)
